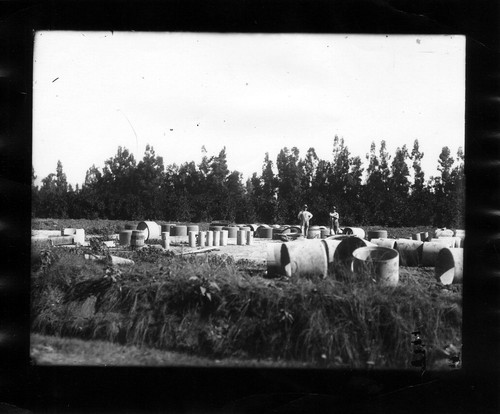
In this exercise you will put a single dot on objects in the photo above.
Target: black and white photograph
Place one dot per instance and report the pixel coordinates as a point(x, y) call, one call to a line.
point(262, 200)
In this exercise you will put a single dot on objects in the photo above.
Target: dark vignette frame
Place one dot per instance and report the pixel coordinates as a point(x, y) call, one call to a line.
point(91, 389)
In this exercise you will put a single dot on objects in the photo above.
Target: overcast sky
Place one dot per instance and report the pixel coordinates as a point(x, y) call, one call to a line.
point(252, 93)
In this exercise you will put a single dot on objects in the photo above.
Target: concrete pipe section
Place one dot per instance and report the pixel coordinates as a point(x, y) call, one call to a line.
point(241, 237)
point(343, 252)
point(379, 263)
point(389, 243)
point(449, 265)
point(202, 238)
point(355, 231)
point(178, 231)
point(151, 229)
point(216, 237)
point(377, 234)
point(210, 238)
point(410, 252)
point(314, 232)
point(416, 236)
point(265, 232)
point(231, 231)
point(125, 237)
point(273, 259)
point(165, 239)
point(192, 238)
point(138, 238)
point(304, 258)
point(430, 252)
point(223, 237)
point(330, 247)
point(79, 236)
point(249, 238)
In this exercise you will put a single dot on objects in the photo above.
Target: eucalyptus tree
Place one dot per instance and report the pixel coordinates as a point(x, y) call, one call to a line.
point(289, 179)
point(399, 186)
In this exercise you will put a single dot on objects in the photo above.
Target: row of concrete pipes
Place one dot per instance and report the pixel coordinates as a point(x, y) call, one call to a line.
point(378, 257)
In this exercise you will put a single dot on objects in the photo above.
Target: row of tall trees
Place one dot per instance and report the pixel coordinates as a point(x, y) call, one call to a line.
point(391, 191)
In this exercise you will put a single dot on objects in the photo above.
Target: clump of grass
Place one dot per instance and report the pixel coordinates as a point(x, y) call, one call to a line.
point(209, 306)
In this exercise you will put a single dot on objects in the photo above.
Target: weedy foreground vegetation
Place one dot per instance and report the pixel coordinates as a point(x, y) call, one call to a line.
point(212, 306)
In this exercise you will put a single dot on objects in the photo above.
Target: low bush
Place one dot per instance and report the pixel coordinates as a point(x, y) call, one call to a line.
point(209, 306)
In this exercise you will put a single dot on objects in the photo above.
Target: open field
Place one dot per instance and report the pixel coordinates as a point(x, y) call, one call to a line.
point(220, 307)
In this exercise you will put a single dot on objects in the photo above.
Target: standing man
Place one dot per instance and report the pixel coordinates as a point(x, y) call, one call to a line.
point(334, 221)
point(304, 217)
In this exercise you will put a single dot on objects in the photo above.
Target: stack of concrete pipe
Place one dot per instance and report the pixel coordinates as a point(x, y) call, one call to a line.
point(311, 257)
point(385, 255)
point(208, 238)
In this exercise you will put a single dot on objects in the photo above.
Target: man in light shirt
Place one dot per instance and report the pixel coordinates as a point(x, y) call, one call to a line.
point(304, 217)
point(334, 221)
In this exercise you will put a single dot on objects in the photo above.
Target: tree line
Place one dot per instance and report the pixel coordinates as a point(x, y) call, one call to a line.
point(385, 193)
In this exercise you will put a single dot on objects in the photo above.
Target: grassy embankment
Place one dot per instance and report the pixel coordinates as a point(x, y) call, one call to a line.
point(211, 307)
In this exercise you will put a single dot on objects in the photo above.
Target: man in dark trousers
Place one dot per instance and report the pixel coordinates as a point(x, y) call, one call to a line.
point(334, 221)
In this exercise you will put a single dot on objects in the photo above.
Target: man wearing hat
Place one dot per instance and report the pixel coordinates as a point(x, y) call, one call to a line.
point(334, 221)
point(304, 217)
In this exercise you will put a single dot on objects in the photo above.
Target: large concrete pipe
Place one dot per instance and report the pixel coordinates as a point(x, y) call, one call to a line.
point(231, 231)
point(69, 232)
point(178, 231)
point(193, 227)
point(389, 243)
point(265, 232)
point(273, 259)
point(150, 228)
point(424, 236)
point(343, 252)
point(314, 232)
point(216, 237)
point(379, 263)
point(125, 237)
point(330, 247)
point(443, 232)
point(249, 238)
point(202, 238)
point(416, 236)
point(449, 266)
point(241, 237)
point(325, 233)
point(430, 251)
point(215, 228)
point(223, 237)
point(451, 242)
point(192, 238)
point(167, 228)
point(137, 239)
point(45, 233)
point(253, 227)
point(165, 239)
point(79, 236)
point(61, 240)
point(377, 234)
point(410, 252)
point(304, 258)
point(461, 235)
point(355, 231)
point(210, 238)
